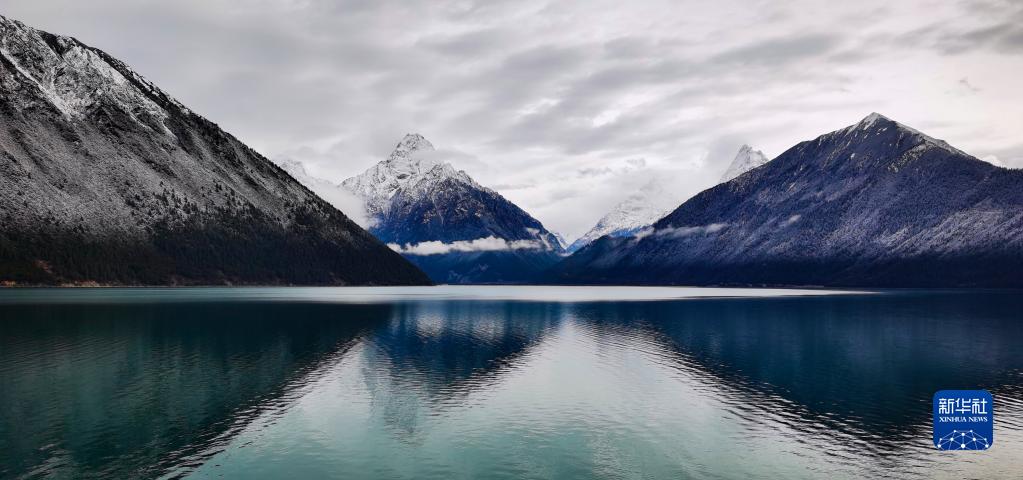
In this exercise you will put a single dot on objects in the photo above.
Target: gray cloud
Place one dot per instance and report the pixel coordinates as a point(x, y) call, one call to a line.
point(998, 27)
point(1008, 156)
point(469, 45)
point(1004, 37)
point(780, 50)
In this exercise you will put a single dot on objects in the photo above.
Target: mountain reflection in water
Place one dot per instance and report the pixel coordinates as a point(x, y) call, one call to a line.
point(440, 388)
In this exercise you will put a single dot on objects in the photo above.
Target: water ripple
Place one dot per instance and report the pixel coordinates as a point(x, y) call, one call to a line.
point(473, 384)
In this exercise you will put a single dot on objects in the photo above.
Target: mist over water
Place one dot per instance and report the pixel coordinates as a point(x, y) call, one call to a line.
point(461, 383)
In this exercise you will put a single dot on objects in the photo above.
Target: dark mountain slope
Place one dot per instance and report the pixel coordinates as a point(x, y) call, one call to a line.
point(106, 179)
point(876, 204)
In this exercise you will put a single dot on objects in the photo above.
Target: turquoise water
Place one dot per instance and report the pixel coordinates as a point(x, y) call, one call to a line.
point(500, 382)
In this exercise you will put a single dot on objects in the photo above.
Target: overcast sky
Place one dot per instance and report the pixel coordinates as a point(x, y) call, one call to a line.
point(566, 107)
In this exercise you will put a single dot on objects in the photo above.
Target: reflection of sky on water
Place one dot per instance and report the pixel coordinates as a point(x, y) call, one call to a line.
point(801, 387)
point(788, 387)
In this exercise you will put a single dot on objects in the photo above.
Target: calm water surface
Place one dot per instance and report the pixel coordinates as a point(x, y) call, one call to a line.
point(500, 382)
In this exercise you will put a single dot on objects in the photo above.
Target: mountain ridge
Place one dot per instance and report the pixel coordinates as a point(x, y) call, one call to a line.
point(106, 179)
point(875, 204)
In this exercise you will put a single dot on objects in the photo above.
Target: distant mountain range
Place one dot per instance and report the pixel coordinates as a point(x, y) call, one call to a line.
point(655, 200)
point(453, 228)
point(876, 204)
point(105, 179)
point(640, 209)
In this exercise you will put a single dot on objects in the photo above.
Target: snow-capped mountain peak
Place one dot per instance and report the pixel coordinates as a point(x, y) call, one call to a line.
point(410, 162)
point(877, 123)
point(410, 144)
point(450, 226)
point(745, 160)
point(409, 158)
point(414, 168)
point(648, 205)
point(871, 119)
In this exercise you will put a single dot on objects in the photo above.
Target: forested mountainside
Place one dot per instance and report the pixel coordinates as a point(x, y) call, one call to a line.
point(106, 179)
point(876, 204)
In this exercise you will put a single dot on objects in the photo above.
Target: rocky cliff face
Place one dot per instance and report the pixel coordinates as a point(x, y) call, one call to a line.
point(104, 178)
point(874, 204)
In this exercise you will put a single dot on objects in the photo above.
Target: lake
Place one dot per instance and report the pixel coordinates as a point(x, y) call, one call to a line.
point(500, 382)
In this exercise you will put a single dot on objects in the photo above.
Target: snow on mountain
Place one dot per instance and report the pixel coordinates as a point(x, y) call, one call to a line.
point(648, 205)
point(450, 226)
point(86, 79)
point(408, 164)
point(876, 204)
point(745, 160)
point(106, 179)
point(655, 200)
point(561, 241)
point(341, 198)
